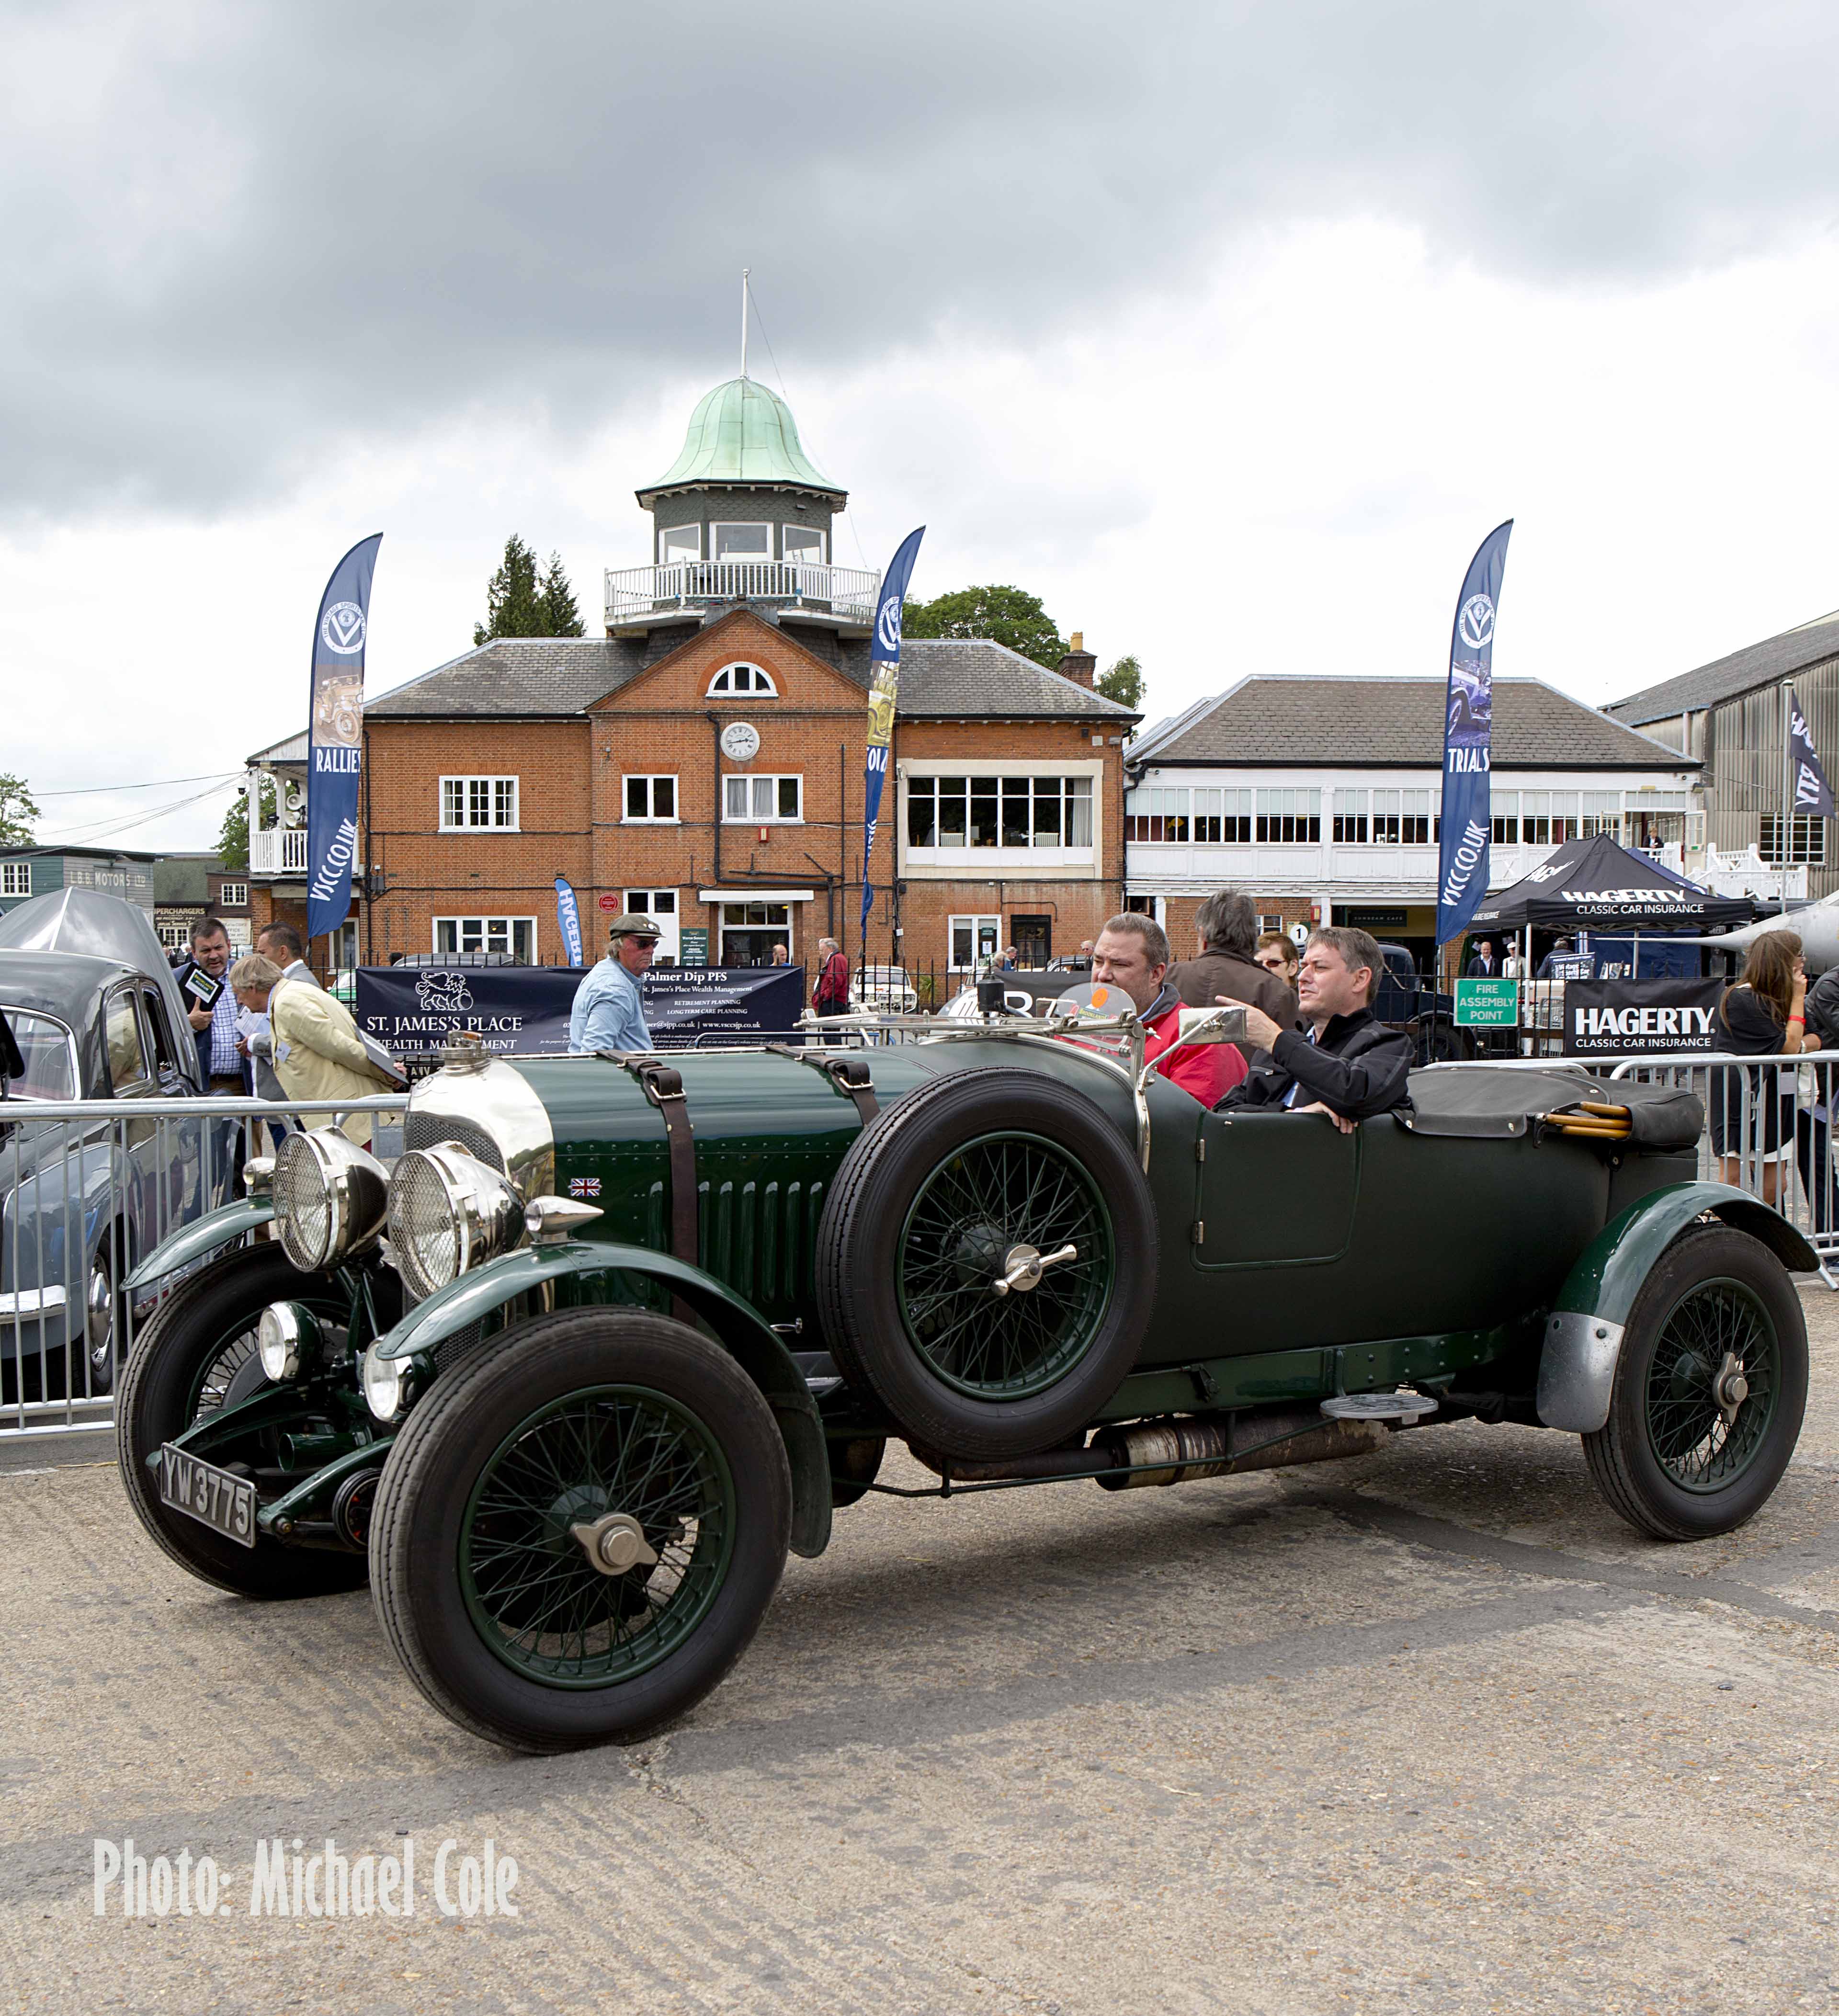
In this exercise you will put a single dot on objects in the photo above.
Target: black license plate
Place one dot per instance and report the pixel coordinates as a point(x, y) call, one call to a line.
point(216, 1498)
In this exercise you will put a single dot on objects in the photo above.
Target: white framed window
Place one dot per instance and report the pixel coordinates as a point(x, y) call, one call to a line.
point(515, 935)
point(743, 678)
point(769, 801)
point(1807, 839)
point(743, 542)
point(1350, 827)
point(1223, 818)
point(233, 895)
point(973, 941)
point(750, 930)
point(660, 907)
point(15, 878)
point(802, 545)
point(651, 799)
point(677, 543)
point(968, 811)
point(1270, 921)
point(1289, 819)
point(478, 804)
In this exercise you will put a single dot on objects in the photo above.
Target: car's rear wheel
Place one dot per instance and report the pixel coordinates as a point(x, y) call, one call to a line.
point(197, 1354)
point(580, 1528)
point(1709, 1392)
point(986, 1264)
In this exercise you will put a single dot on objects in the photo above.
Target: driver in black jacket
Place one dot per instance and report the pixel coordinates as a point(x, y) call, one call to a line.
point(1348, 1064)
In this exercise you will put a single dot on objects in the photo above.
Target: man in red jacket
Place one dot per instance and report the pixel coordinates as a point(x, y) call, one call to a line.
point(831, 994)
point(1131, 954)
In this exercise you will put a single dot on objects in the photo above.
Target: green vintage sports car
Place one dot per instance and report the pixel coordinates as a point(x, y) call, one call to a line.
point(568, 1380)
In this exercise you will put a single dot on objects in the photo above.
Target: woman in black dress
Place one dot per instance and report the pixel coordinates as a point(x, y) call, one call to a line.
point(1763, 1015)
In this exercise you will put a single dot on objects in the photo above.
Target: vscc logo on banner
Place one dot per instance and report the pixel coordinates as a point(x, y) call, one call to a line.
point(1615, 1017)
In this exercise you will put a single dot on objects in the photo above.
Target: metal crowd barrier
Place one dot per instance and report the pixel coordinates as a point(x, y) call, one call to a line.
point(88, 1189)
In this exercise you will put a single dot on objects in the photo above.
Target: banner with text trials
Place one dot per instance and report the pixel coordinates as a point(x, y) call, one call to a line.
point(335, 736)
point(1468, 740)
point(1617, 1017)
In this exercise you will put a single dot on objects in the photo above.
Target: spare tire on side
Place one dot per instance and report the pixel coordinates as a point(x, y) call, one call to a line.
point(924, 1283)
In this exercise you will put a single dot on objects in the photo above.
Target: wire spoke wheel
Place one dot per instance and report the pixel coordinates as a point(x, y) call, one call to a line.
point(997, 1193)
point(1700, 1440)
point(536, 1595)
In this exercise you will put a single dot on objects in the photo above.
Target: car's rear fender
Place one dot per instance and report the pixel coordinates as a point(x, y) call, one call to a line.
point(201, 1238)
point(614, 1274)
point(1583, 1339)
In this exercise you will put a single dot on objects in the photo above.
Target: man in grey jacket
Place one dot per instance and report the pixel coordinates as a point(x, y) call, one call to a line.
point(1226, 925)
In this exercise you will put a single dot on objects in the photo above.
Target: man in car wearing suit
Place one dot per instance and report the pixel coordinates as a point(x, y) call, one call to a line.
point(1482, 966)
point(1349, 1065)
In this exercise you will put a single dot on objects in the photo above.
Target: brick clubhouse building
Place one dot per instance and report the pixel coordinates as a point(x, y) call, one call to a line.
point(703, 760)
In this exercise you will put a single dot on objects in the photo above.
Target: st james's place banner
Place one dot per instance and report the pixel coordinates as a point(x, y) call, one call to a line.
point(1614, 1017)
point(523, 1010)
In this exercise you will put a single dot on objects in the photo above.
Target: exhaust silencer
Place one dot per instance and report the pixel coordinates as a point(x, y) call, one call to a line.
point(1192, 1448)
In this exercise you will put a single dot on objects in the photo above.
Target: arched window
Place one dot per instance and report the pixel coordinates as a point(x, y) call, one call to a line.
point(743, 680)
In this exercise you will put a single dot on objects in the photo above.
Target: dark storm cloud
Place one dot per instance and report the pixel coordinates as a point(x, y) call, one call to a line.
point(239, 237)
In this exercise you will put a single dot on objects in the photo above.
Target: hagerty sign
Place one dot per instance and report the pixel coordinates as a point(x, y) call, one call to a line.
point(1611, 1018)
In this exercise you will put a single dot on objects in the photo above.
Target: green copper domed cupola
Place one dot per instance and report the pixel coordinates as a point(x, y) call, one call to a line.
point(741, 434)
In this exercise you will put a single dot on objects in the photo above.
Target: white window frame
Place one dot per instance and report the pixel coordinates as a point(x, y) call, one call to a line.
point(677, 531)
point(975, 919)
point(800, 560)
point(664, 914)
point(650, 779)
point(761, 686)
point(775, 778)
point(233, 895)
point(15, 878)
point(485, 932)
point(718, 526)
point(465, 782)
point(1076, 799)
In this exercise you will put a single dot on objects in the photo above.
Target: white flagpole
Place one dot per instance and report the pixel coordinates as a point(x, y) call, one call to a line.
point(745, 272)
point(1786, 834)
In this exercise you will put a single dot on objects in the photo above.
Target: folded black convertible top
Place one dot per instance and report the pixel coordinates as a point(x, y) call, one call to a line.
point(1475, 1100)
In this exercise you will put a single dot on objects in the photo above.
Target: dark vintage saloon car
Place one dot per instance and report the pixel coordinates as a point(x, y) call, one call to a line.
point(614, 1333)
point(91, 1012)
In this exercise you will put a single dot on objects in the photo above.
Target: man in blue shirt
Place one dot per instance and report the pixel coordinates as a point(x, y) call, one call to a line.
point(609, 1011)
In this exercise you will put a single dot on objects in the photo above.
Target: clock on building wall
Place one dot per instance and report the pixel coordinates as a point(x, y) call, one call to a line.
point(740, 742)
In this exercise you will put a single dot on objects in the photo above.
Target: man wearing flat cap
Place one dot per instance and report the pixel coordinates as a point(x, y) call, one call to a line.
point(609, 1011)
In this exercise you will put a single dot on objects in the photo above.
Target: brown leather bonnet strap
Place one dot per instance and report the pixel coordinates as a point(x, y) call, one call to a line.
point(849, 1075)
point(662, 1084)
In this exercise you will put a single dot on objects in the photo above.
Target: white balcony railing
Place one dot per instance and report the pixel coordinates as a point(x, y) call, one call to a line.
point(637, 591)
point(277, 850)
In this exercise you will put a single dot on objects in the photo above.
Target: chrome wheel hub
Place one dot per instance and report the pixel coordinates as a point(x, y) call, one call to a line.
point(1023, 1265)
point(99, 1310)
point(1730, 1389)
point(614, 1542)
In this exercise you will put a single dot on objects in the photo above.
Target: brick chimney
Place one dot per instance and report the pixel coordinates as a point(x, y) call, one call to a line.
point(1078, 664)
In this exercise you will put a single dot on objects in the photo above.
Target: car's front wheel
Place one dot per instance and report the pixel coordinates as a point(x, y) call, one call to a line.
point(1709, 1391)
point(580, 1528)
point(198, 1354)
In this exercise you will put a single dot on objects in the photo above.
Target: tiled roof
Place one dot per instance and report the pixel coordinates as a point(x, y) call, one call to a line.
point(518, 676)
point(972, 678)
point(1724, 678)
point(1295, 720)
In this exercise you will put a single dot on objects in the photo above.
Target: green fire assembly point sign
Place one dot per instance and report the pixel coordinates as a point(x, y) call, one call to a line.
point(1487, 1004)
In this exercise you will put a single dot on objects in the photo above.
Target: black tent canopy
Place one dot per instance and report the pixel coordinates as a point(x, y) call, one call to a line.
point(1595, 885)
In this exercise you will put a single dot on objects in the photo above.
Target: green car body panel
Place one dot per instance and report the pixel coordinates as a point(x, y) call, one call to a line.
point(200, 1239)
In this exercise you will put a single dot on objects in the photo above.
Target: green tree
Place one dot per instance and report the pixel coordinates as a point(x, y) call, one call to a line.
point(513, 601)
point(1010, 616)
point(232, 839)
point(1123, 682)
point(17, 812)
point(556, 600)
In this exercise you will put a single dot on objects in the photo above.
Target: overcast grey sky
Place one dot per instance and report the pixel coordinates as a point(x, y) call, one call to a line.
point(1231, 331)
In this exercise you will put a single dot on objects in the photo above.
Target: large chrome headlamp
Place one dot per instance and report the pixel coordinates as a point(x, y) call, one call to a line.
point(448, 1212)
point(329, 1198)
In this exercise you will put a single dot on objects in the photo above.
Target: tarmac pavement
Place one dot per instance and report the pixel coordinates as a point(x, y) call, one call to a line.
point(1429, 1730)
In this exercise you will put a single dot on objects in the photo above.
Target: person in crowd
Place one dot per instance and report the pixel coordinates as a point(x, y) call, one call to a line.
point(1004, 962)
point(830, 997)
point(220, 1062)
point(1763, 1015)
point(1277, 953)
point(280, 944)
point(317, 1052)
point(609, 1011)
point(1226, 925)
point(781, 956)
point(1348, 1065)
point(1483, 965)
point(1132, 955)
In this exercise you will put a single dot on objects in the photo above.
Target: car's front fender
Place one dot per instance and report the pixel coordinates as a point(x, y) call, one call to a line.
point(1583, 1339)
point(201, 1238)
point(602, 1272)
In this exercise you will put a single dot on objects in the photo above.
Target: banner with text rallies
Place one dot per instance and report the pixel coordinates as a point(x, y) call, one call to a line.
point(1813, 795)
point(568, 917)
point(335, 736)
point(884, 674)
point(1612, 1017)
point(1468, 740)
